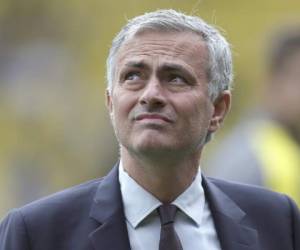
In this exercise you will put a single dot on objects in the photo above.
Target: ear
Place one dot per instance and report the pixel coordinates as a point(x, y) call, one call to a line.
point(108, 101)
point(221, 108)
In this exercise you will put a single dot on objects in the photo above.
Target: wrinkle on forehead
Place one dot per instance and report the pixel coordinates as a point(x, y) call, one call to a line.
point(155, 45)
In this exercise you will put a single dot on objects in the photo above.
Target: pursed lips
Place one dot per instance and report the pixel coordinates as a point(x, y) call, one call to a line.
point(153, 116)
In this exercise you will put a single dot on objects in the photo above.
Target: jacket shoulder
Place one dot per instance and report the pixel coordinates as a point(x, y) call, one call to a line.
point(256, 200)
point(273, 215)
point(54, 215)
point(66, 200)
point(246, 192)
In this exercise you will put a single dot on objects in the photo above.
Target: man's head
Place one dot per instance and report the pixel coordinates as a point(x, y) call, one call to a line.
point(169, 78)
point(219, 63)
point(283, 89)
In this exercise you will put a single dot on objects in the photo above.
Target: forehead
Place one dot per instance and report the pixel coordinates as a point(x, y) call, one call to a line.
point(292, 61)
point(182, 47)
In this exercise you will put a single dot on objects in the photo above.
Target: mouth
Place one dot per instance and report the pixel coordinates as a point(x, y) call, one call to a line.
point(153, 117)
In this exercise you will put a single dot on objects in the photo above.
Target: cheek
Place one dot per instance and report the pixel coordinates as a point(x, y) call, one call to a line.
point(122, 107)
point(197, 109)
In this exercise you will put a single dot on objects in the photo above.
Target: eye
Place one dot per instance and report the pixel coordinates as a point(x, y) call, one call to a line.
point(177, 79)
point(132, 76)
point(133, 80)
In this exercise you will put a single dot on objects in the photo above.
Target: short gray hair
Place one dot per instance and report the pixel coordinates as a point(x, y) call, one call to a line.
point(219, 62)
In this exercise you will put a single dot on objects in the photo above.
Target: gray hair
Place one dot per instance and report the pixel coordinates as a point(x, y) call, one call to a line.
point(219, 55)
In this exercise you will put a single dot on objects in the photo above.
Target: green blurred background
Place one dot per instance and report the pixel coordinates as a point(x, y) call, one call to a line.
point(54, 128)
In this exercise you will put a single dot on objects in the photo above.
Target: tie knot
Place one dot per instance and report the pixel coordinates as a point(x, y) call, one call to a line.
point(167, 213)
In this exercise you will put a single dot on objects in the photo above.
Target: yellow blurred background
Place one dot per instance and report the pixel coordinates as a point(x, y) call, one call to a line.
point(54, 128)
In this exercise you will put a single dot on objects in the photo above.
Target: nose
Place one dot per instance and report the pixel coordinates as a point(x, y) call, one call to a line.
point(153, 95)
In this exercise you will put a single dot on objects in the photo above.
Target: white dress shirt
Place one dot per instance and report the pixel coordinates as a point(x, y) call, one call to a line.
point(193, 223)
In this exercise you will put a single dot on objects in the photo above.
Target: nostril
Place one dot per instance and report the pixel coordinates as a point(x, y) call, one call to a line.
point(152, 99)
point(143, 102)
point(153, 95)
point(158, 102)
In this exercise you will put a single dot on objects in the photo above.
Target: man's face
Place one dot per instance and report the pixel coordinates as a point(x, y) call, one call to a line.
point(286, 91)
point(160, 102)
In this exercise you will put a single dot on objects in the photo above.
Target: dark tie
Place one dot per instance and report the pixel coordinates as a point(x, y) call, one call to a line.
point(168, 237)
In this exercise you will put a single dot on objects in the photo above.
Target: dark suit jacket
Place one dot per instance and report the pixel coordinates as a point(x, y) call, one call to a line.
point(90, 217)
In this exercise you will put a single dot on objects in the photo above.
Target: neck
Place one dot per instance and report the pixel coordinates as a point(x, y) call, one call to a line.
point(164, 178)
point(292, 128)
point(289, 122)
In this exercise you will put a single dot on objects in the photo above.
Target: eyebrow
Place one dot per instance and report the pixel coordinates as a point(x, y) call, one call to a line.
point(168, 66)
point(137, 64)
point(165, 66)
point(173, 67)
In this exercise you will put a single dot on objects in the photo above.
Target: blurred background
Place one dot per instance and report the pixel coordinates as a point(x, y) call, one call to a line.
point(54, 127)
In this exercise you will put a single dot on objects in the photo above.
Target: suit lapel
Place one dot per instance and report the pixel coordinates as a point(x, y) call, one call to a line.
point(107, 209)
point(230, 220)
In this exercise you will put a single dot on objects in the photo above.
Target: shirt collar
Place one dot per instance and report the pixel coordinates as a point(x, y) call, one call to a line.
point(190, 202)
point(132, 195)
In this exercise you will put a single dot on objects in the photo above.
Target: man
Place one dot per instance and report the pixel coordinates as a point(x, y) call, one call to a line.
point(169, 89)
point(267, 140)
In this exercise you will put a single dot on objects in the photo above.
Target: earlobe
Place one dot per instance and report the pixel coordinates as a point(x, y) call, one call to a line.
point(108, 101)
point(221, 108)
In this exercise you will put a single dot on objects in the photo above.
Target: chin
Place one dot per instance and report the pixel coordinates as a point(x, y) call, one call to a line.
point(158, 148)
point(152, 146)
